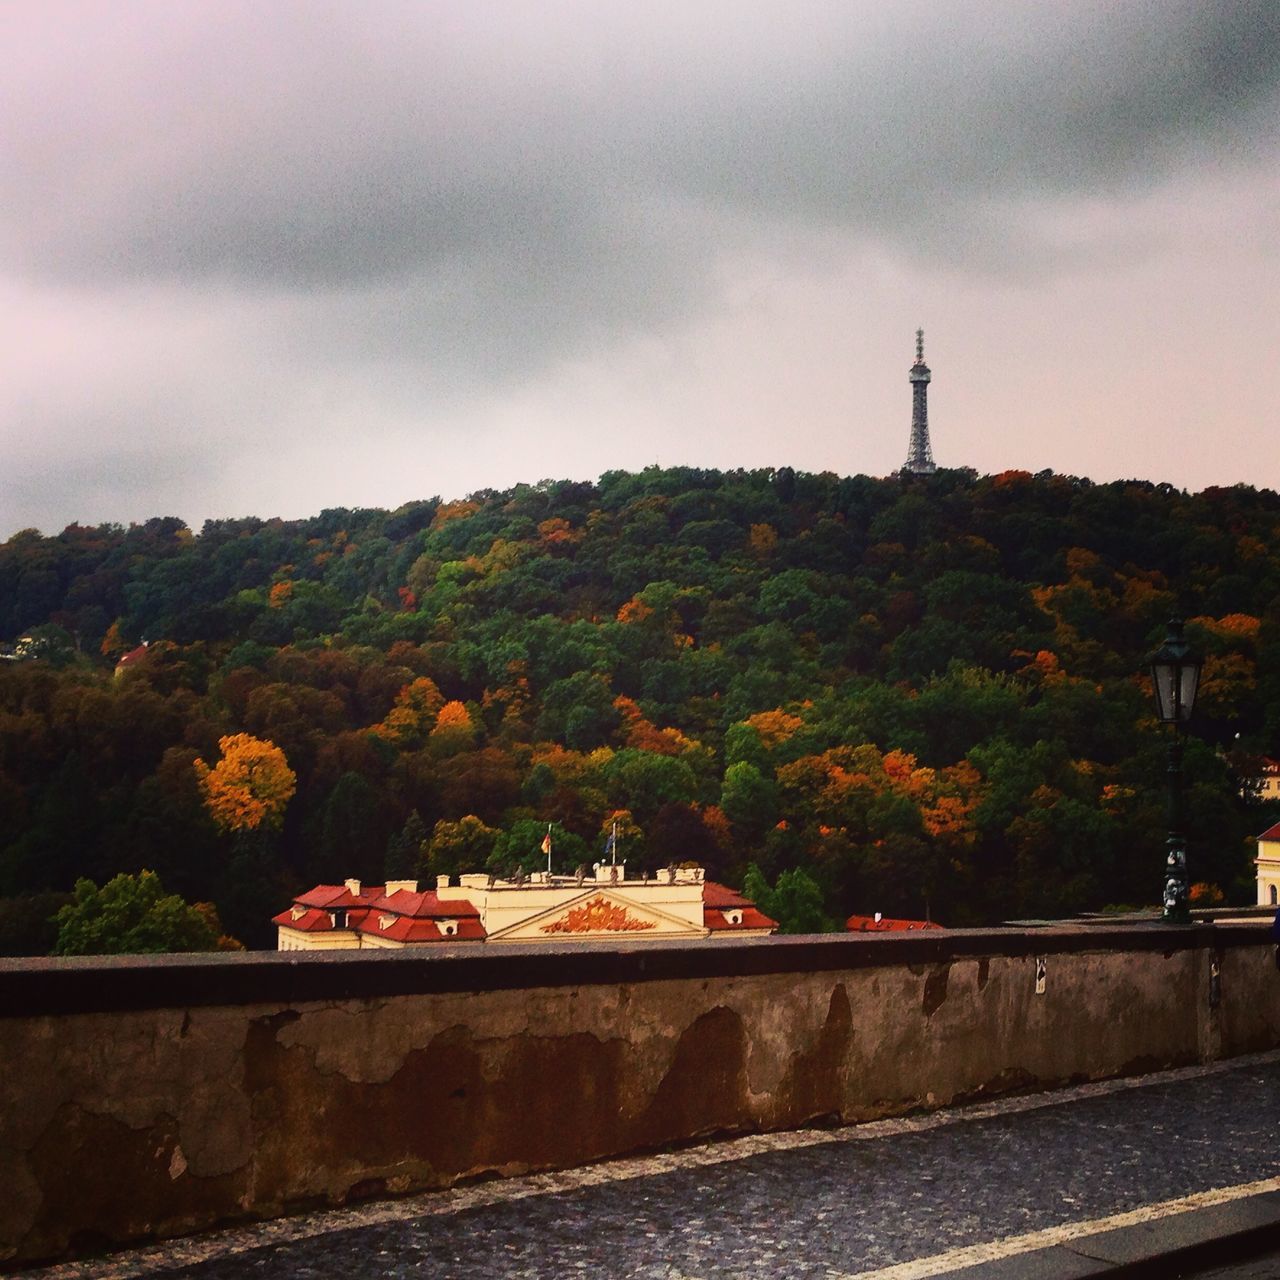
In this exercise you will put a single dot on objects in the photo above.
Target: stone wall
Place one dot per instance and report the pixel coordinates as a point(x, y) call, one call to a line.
point(145, 1097)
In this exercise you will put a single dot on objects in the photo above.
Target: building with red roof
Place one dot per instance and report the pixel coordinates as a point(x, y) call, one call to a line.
point(1268, 865)
point(678, 903)
point(1260, 779)
point(883, 924)
point(131, 659)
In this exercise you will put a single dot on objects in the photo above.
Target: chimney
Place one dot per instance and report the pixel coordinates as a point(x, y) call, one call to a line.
point(442, 882)
point(395, 886)
point(353, 887)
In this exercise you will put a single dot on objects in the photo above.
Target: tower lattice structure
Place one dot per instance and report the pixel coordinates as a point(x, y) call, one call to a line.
point(919, 454)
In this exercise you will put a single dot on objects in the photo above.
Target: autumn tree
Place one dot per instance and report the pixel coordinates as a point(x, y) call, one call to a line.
point(249, 787)
point(414, 714)
point(454, 730)
point(113, 643)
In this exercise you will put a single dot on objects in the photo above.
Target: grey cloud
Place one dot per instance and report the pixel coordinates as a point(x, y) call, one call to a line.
point(110, 479)
point(1016, 107)
point(289, 206)
point(313, 146)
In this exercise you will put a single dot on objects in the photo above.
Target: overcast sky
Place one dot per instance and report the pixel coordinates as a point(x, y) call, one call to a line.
point(266, 258)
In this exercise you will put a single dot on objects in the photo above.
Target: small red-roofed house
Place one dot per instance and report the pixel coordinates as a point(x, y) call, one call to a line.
point(1268, 865)
point(726, 910)
point(679, 902)
point(1262, 781)
point(130, 659)
point(883, 924)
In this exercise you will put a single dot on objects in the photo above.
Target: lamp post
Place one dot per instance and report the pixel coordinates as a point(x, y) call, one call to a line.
point(1175, 674)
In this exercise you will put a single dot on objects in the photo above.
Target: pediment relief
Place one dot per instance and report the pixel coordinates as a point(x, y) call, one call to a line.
point(598, 916)
point(597, 913)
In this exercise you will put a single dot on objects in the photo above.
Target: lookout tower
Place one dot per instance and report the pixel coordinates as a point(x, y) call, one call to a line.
point(919, 455)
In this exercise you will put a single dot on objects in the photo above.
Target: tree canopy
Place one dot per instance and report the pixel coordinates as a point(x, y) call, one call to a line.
point(132, 914)
point(924, 693)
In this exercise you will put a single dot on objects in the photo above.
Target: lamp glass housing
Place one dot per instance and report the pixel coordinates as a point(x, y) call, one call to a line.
point(1175, 674)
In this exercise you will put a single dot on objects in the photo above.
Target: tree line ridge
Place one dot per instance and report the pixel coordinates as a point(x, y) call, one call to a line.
point(918, 695)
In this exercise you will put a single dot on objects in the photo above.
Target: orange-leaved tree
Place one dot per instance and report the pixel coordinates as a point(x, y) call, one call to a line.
point(453, 730)
point(414, 713)
point(250, 786)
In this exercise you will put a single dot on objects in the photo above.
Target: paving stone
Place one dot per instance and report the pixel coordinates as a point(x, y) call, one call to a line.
point(843, 1204)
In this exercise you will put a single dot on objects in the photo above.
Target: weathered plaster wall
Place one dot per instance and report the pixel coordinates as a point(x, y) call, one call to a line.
point(143, 1098)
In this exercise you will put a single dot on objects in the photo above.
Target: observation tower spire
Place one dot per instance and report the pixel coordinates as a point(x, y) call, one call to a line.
point(919, 454)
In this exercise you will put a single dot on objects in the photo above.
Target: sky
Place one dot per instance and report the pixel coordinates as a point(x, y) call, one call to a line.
point(264, 259)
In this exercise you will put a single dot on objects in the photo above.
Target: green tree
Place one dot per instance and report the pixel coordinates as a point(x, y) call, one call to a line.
point(643, 781)
point(131, 915)
point(749, 799)
point(795, 902)
point(460, 846)
point(51, 643)
point(351, 833)
point(407, 849)
point(521, 846)
point(27, 925)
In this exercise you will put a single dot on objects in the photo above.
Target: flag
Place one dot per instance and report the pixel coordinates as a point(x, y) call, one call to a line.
point(546, 841)
point(611, 843)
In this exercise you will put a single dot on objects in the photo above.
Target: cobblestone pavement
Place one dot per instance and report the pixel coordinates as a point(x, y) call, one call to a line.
point(818, 1204)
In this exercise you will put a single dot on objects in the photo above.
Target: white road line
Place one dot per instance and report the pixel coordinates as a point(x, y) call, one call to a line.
point(970, 1255)
point(132, 1263)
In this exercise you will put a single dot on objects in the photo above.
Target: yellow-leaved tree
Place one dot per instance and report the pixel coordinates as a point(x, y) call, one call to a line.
point(250, 786)
point(454, 730)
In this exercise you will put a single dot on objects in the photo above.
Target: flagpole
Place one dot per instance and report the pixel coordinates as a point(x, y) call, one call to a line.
point(614, 842)
point(548, 851)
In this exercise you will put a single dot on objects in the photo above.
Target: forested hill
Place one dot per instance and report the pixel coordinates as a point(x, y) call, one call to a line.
point(926, 692)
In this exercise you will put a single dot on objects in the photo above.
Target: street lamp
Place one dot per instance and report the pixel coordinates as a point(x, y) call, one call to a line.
point(1175, 673)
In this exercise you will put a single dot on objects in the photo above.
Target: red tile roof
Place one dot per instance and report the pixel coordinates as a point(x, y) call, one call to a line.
point(415, 929)
point(414, 915)
point(713, 918)
point(1271, 833)
point(719, 898)
point(427, 903)
point(719, 895)
point(133, 656)
point(331, 896)
point(869, 924)
point(313, 920)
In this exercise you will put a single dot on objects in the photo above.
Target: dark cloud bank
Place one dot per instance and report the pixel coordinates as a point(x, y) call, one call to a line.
point(480, 190)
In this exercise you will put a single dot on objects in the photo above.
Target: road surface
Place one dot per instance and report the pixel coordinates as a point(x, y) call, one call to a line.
point(1014, 1187)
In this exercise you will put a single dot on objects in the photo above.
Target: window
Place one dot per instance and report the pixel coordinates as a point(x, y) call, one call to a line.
point(1273, 895)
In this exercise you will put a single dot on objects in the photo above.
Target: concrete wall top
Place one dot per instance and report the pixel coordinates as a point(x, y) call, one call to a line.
point(100, 984)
